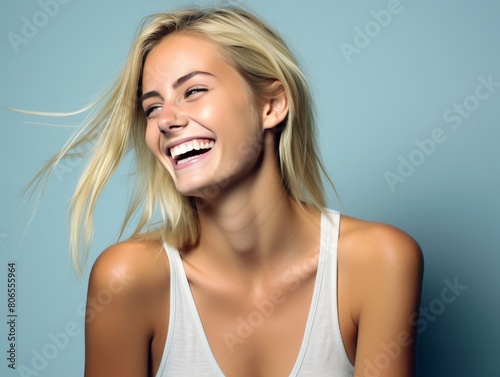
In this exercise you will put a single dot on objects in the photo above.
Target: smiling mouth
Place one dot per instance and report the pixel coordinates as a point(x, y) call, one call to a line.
point(190, 150)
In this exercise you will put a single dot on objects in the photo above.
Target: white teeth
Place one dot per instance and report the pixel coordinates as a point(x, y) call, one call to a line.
point(188, 146)
point(180, 162)
point(175, 151)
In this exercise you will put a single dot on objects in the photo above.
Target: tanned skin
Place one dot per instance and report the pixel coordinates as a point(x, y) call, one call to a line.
point(252, 233)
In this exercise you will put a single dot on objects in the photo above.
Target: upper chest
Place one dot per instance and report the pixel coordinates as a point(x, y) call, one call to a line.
point(253, 334)
point(249, 334)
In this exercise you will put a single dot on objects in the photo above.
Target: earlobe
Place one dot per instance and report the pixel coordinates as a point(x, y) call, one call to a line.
point(276, 107)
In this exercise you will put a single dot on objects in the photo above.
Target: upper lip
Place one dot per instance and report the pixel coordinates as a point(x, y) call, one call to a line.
point(173, 143)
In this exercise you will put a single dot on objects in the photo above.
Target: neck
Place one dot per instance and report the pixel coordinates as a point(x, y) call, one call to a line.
point(255, 225)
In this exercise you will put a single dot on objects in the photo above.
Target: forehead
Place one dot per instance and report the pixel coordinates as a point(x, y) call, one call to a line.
point(176, 55)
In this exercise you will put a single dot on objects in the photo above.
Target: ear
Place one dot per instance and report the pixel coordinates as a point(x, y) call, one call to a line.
point(275, 107)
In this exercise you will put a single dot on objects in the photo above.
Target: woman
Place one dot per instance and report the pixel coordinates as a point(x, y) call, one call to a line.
point(246, 273)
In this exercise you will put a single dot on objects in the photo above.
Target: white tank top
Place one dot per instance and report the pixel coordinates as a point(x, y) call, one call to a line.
point(187, 351)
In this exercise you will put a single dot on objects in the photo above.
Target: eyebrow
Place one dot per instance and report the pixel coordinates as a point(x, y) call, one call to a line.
point(147, 95)
point(181, 80)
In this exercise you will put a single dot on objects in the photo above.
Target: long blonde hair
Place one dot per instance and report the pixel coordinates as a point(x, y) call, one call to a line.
point(118, 125)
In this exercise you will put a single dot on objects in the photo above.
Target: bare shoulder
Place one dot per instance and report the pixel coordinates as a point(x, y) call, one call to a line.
point(377, 245)
point(379, 282)
point(128, 292)
point(377, 260)
point(138, 264)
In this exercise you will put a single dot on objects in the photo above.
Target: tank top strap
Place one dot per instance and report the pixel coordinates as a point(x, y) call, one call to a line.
point(325, 354)
point(187, 351)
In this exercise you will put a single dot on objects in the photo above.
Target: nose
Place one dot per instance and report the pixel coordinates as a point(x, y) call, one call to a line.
point(171, 120)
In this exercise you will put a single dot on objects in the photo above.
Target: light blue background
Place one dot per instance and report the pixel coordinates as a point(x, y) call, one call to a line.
point(370, 109)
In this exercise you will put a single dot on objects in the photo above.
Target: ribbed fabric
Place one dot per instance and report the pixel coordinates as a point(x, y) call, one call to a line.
point(187, 351)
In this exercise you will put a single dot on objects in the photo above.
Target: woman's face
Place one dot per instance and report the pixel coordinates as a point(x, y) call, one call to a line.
point(202, 123)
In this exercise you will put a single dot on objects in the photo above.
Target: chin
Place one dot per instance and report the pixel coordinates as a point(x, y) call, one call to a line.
point(199, 190)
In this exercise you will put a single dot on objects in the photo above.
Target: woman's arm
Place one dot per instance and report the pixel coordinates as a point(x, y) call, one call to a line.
point(389, 274)
point(119, 320)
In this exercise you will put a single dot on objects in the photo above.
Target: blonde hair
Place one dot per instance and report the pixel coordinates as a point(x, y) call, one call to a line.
point(119, 124)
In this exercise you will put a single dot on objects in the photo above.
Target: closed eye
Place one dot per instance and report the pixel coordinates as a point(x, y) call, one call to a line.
point(149, 111)
point(194, 90)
